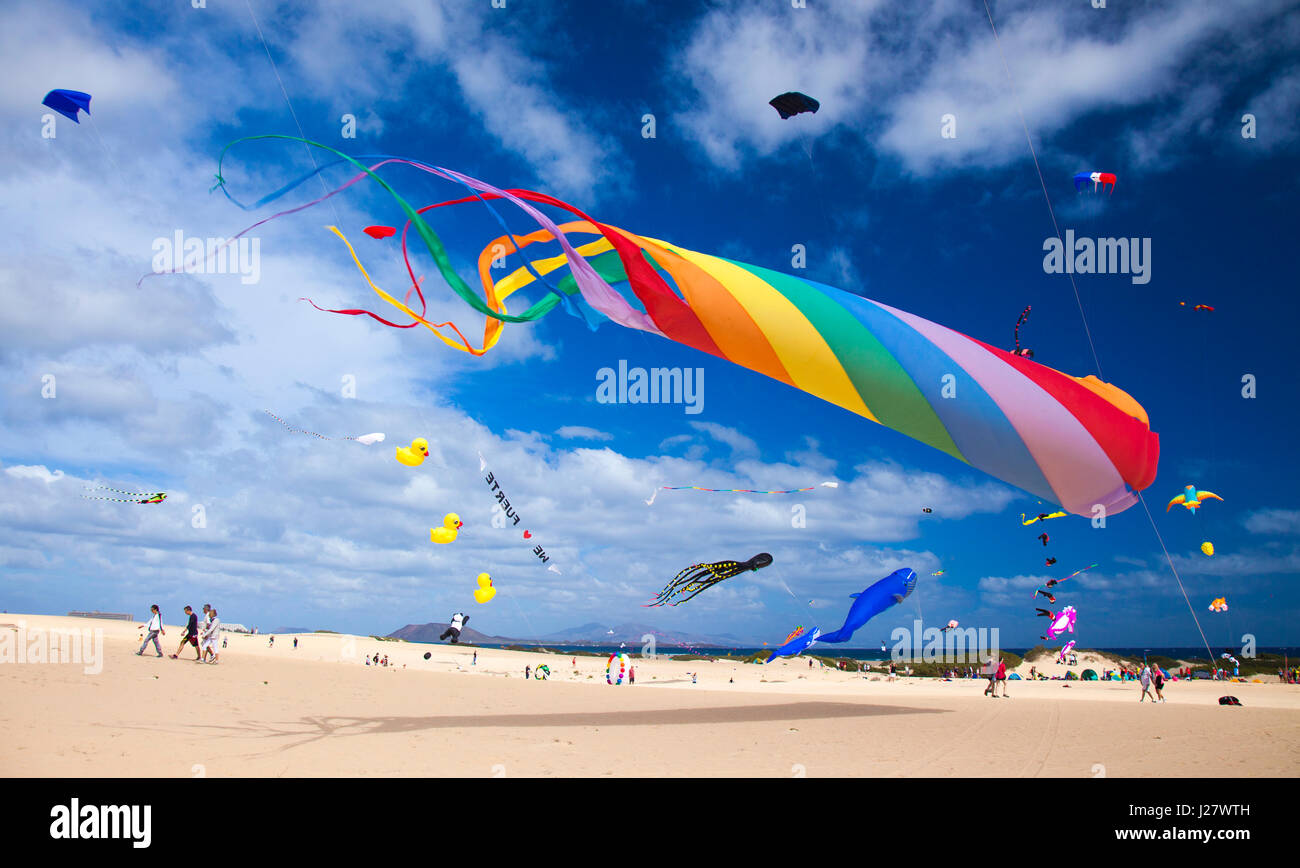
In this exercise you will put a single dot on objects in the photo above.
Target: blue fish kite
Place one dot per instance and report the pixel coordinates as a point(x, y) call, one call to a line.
point(67, 102)
point(797, 645)
point(889, 591)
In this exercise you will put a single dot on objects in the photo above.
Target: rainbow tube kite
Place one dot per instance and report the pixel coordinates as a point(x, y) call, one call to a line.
point(1075, 441)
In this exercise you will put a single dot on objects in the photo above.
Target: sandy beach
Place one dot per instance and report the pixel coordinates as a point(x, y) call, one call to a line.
point(319, 711)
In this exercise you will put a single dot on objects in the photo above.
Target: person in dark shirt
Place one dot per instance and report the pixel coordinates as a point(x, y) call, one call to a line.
point(191, 635)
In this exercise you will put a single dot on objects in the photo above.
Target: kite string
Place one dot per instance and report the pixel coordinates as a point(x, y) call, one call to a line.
point(1082, 316)
point(104, 145)
point(518, 609)
point(821, 199)
point(293, 114)
point(1043, 183)
point(1174, 570)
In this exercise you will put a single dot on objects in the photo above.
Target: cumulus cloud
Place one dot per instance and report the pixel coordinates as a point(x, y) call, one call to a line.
point(886, 76)
point(1274, 521)
point(581, 432)
point(741, 445)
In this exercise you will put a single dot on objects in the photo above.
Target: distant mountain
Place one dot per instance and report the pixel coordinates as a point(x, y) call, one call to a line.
point(631, 633)
point(585, 634)
point(468, 635)
point(288, 630)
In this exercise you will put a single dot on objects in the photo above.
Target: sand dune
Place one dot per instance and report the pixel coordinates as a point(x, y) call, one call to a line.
point(319, 711)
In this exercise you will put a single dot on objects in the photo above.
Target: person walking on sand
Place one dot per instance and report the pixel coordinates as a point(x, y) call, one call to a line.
point(209, 639)
point(1145, 680)
point(152, 630)
point(991, 671)
point(1158, 681)
point(191, 635)
point(631, 675)
point(1002, 679)
point(295, 642)
point(474, 662)
point(528, 672)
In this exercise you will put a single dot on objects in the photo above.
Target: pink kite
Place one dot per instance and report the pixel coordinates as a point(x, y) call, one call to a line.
point(1069, 646)
point(1061, 621)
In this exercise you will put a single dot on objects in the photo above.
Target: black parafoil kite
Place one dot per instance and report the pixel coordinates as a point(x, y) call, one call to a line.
point(794, 103)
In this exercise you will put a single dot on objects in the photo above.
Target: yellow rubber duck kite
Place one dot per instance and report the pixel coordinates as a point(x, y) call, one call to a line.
point(413, 455)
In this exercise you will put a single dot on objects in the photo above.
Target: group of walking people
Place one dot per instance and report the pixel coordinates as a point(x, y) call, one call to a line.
point(202, 637)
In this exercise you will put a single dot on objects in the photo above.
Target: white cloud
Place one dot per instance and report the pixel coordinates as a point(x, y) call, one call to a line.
point(1277, 114)
point(581, 432)
point(741, 445)
point(40, 471)
point(886, 75)
point(1274, 521)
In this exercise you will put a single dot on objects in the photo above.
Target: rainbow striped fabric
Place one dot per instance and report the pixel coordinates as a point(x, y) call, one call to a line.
point(1078, 442)
point(1074, 441)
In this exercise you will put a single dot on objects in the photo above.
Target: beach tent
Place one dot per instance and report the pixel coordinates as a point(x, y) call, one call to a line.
point(1070, 676)
point(1014, 676)
point(1089, 675)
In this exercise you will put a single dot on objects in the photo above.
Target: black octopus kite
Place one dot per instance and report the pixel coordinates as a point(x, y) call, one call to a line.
point(697, 577)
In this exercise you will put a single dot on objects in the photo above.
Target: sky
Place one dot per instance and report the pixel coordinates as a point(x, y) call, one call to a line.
point(162, 386)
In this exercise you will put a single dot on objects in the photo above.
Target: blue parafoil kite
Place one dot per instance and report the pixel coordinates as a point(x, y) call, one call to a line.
point(889, 591)
point(67, 102)
point(794, 103)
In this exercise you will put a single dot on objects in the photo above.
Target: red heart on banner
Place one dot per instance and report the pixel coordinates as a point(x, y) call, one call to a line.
point(528, 535)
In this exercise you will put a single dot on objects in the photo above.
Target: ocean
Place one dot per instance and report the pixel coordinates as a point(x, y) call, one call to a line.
point(1182, 653)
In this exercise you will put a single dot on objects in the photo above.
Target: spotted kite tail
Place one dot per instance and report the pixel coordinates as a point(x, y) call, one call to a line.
point(294, 430)
point(1024, 315)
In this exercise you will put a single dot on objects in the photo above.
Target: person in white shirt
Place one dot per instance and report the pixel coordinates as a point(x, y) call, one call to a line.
point(1145, 680)
point(153, 628)
point(210, 631)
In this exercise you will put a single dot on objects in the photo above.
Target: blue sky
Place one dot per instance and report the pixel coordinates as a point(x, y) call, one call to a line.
point(162, 387)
